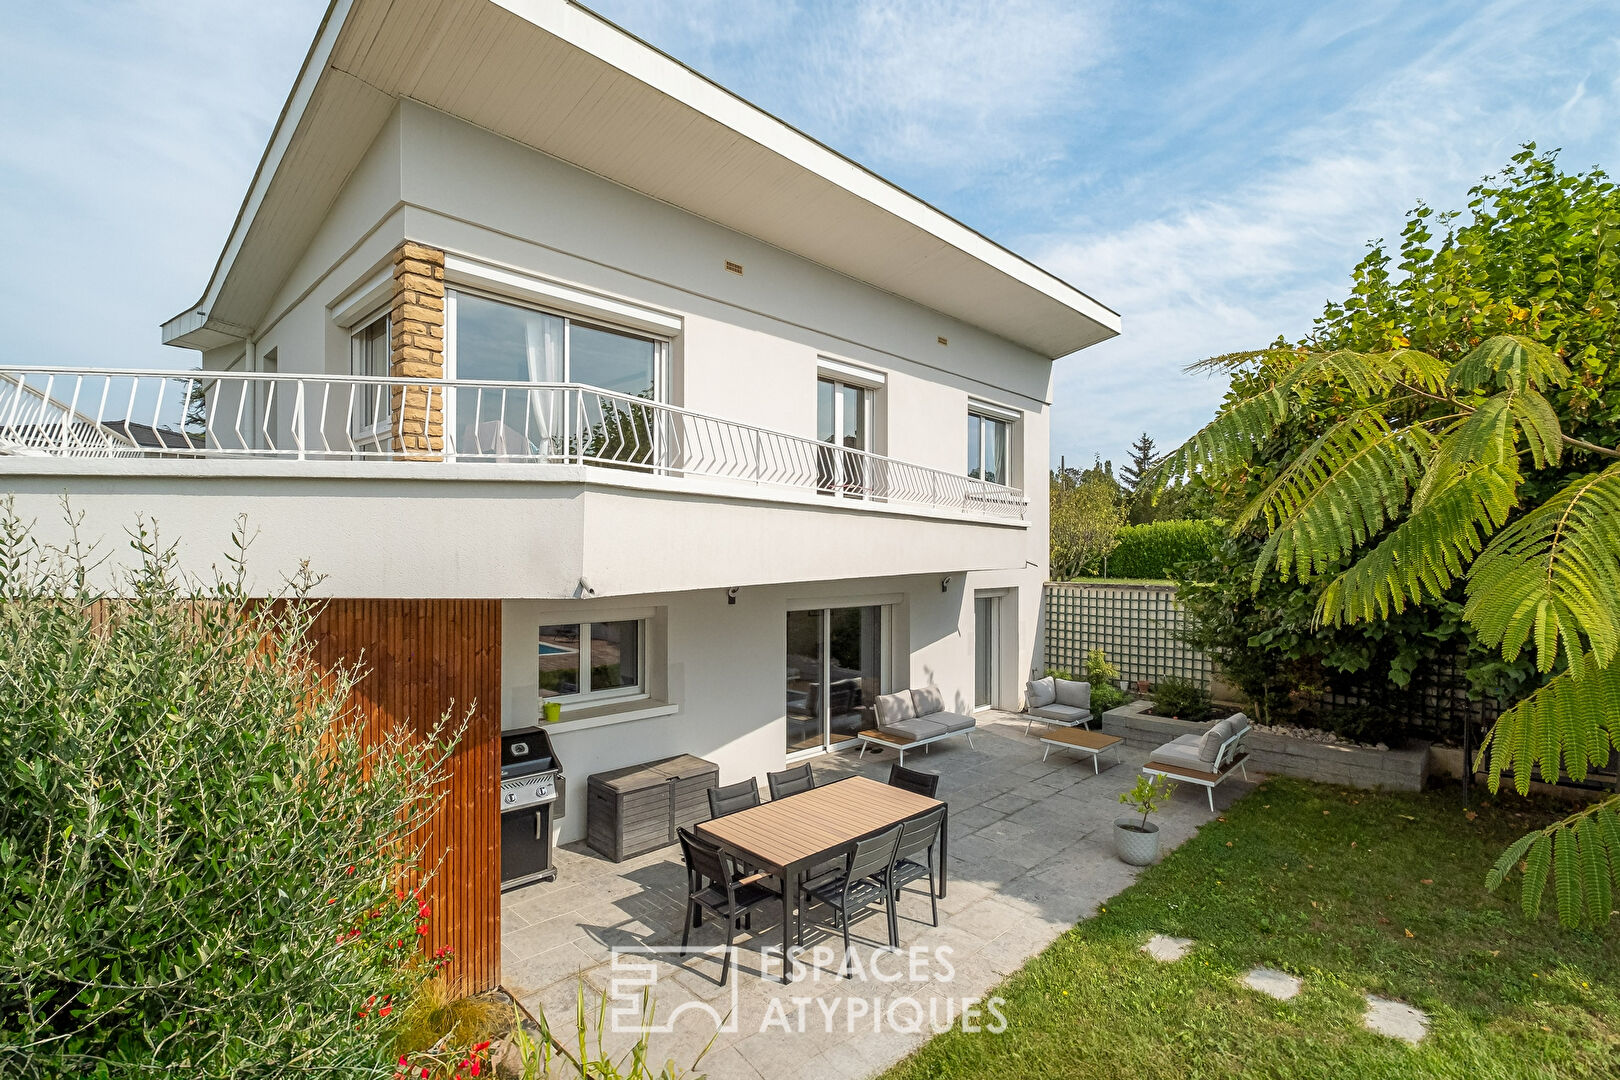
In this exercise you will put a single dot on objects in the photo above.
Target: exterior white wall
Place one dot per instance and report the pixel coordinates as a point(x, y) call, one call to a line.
point(724, 669)
point(482, 531)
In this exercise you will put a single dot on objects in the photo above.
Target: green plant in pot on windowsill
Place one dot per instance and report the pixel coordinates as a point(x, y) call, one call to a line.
point(1137, 842)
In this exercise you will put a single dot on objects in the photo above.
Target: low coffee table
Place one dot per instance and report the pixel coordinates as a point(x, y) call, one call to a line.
point(1085, 742)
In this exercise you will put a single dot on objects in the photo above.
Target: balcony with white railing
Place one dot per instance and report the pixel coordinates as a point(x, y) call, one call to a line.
point(413, 423)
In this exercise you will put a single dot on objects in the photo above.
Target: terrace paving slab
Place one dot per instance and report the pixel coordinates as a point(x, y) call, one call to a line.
point(1026, 860)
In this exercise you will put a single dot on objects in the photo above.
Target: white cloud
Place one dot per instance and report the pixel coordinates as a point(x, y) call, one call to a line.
point(1233, 271)
point(963, 85)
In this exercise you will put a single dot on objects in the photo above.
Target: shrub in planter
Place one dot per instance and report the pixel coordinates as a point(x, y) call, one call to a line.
point(1137, 842)
point(1182, 698)
point(1104, 680)
point(204, 868)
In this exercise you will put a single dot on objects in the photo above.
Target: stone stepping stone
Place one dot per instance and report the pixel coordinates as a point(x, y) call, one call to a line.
point(1167, 950)
point(1274, 983)
point(1396, 1019)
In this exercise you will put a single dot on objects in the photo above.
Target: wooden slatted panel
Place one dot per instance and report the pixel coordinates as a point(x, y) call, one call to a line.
point(423, 658)
point(800, 826)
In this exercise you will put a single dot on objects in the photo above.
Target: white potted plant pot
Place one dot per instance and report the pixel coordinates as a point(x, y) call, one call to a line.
point(1134, 842)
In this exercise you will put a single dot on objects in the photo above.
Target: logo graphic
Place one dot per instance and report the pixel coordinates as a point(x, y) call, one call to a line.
point(635, 972)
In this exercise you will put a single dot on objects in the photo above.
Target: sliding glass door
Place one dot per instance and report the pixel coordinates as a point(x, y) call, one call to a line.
point(837, 665)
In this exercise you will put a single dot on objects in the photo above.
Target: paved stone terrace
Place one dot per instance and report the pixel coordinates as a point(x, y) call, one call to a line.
point(1030, 855)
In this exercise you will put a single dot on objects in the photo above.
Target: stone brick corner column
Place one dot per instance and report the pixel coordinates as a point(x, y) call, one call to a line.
point(417, 350)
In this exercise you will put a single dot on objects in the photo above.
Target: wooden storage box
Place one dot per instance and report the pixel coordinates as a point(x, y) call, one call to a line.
point(637, 809)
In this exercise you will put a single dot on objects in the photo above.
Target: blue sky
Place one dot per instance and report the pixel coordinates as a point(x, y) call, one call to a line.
point(1212, 171)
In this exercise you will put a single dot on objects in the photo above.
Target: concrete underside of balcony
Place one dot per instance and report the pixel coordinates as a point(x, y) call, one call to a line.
point(496, 530)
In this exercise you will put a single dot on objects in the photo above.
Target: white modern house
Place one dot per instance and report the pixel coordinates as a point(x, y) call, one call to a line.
point(584, 381)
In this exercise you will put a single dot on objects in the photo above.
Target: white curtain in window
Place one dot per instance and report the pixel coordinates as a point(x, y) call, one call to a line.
point(543, 336)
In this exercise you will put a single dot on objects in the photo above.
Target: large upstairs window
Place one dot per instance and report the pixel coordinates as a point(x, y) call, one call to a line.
point(500, 341)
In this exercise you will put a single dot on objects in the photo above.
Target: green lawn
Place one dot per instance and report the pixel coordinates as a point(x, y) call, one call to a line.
point(1353, 891)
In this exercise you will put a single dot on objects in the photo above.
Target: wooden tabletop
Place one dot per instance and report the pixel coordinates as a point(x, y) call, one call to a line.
point(1081, 739)
point(811, 823)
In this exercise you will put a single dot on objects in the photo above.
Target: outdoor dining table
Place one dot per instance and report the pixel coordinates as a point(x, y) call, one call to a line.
point(786, 837)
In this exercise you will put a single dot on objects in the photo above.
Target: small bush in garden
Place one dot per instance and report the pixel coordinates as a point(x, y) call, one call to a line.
point(1183, 699)
point(203, 864)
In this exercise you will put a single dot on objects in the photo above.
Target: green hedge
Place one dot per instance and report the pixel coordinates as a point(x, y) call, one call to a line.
point(1155, 549)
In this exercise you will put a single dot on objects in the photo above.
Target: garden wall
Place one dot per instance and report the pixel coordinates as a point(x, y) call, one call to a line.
point(1136, 625)
point(1404, 768)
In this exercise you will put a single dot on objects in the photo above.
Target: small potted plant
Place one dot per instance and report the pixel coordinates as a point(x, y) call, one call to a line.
point(1137, 842)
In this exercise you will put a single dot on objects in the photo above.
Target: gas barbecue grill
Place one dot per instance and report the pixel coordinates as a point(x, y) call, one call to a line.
point(532, 788)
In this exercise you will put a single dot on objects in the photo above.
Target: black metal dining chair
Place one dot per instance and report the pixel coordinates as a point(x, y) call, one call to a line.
point(730, 798)
point(790, 781)
point(867, 876)
point(919, 836)
point(714, 883)
point(914, 780)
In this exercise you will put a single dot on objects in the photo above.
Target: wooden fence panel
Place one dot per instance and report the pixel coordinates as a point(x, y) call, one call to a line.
point(422, 658)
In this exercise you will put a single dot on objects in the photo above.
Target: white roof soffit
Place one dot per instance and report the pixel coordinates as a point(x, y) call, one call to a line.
point(559, 78)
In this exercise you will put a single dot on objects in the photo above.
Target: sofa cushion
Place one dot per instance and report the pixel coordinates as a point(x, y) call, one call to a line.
point(1040, 692)
point(927, 700)
point(953, 722)
point(1210, 744)
point(1182, 752)
point(913, 730)
point(893, 708)
point(1076, 695)
point(1061, 714)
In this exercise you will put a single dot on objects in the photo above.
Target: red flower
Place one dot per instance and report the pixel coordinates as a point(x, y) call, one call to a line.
point(385, 1010)
point(481, 1047)
point(422, 930)
point(423, 912)
point(349, 870)
point(402, 1061)
point(475, 1068)
point(424, 1072)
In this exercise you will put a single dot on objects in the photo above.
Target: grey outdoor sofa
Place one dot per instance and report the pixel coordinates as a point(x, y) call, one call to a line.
point(1062, 702)
point(912, 718)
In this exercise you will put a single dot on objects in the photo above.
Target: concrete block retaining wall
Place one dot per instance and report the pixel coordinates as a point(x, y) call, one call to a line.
point(1401, 769)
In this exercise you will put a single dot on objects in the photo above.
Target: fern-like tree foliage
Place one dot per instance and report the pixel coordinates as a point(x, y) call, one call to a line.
point(1472, 406)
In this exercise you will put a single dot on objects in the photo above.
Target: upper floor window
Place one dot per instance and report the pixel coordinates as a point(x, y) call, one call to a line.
point(844, 420)
point(504, 342)
point(988, 438)
point(370, 354)
point(509, 343)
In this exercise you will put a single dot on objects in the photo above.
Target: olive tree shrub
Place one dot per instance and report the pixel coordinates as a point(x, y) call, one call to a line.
point(204, 865)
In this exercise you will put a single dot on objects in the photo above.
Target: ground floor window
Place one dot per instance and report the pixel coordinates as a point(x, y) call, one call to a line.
point(591, 660)
point(837, 664)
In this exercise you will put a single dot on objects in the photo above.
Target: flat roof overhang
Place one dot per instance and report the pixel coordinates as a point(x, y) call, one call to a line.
point(556, 77)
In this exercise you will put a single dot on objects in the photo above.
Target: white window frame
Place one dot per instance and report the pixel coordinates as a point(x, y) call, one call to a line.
point(382, 424)
point(983, 413)
point(587, 697)
point(661, 345)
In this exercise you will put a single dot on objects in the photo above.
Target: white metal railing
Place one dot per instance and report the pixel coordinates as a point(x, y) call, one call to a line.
point(223, 414)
